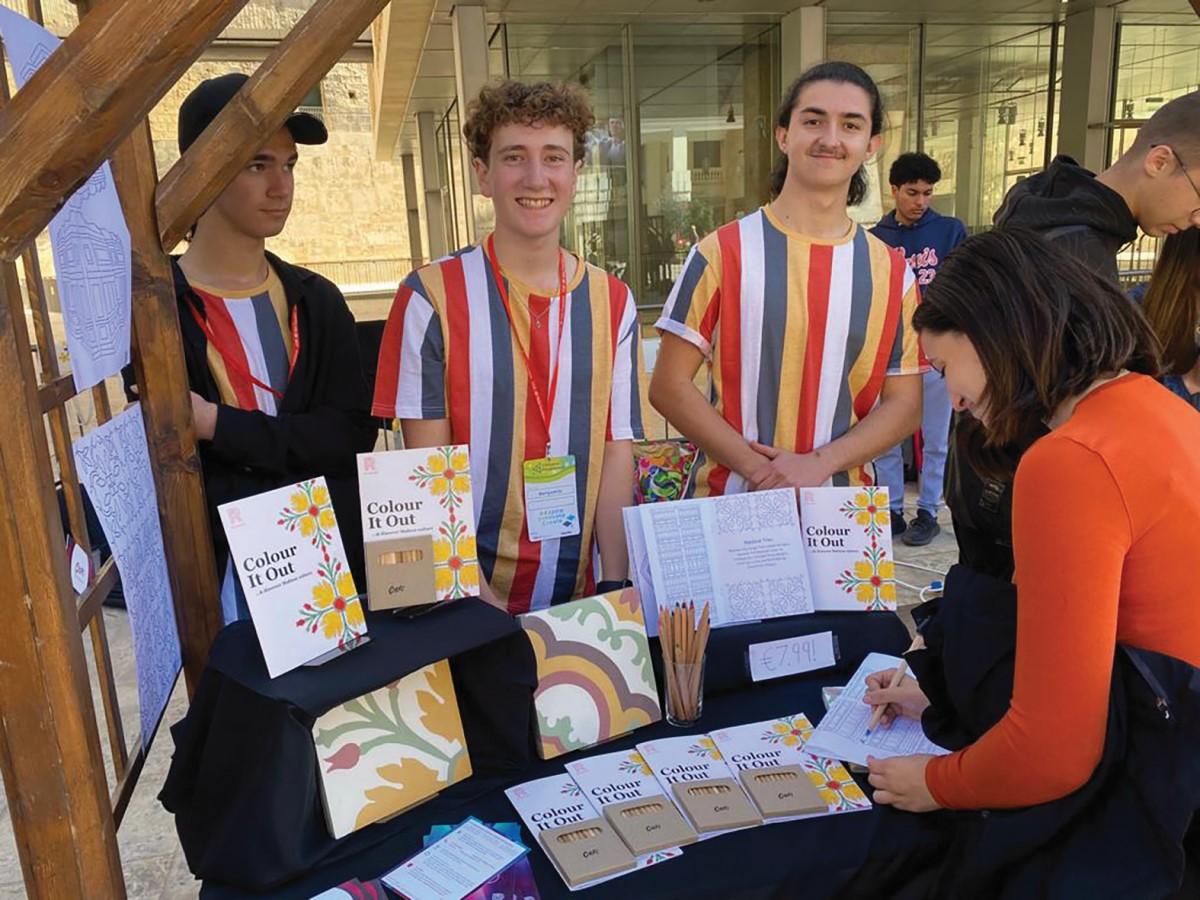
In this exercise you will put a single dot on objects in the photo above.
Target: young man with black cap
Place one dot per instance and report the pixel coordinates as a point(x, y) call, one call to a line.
point(278, 392)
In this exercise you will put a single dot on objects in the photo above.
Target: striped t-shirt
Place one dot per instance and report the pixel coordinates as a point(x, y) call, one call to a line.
point(799, 333)
point(251, 328)
point(449, 352)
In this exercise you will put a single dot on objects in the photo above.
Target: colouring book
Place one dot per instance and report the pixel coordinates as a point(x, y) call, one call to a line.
point(289, 557)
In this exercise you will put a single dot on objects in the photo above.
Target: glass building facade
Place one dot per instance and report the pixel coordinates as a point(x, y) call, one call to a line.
point(682, 140)
point(685, 112)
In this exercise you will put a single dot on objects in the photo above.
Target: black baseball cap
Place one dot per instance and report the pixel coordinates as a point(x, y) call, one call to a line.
point(208, 99)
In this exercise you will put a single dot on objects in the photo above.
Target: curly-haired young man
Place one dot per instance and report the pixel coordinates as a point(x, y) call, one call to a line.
point(530, 356)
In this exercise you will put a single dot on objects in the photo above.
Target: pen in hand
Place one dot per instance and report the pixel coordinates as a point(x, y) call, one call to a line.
point(877, 713)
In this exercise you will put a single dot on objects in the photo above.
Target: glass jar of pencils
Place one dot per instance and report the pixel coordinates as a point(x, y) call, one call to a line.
point(683, 637)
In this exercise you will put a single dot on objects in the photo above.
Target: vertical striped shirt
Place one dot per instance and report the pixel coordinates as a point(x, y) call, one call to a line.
point(251, 328)
point(799, 334)
point(449, 352)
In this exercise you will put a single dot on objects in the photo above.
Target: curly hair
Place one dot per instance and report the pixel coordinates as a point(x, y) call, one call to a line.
point(515, 102)
point(910, 167)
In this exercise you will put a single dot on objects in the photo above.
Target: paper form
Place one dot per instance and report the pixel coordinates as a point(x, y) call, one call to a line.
point(842, 734)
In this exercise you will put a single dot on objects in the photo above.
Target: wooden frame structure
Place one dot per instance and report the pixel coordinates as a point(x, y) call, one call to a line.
point(88, 103)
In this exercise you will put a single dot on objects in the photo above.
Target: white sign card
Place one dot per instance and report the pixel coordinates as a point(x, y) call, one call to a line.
point(81, 566)
point(114, 465)
point(791, 656)
point(453, 866)
point(88, 237)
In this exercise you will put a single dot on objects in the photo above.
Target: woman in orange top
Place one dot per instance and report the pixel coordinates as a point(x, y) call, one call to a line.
point(1106, 512)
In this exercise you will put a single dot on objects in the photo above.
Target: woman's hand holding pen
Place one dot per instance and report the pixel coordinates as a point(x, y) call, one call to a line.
point(905, 699)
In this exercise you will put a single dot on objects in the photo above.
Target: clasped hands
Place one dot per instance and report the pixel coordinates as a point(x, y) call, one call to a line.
point(786, 469)
point(899, 781)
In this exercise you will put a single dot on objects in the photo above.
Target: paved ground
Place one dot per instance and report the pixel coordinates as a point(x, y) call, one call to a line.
point(153, 862)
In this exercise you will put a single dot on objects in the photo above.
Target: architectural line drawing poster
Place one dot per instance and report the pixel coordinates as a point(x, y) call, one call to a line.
point(89, 239)
point(114, 465)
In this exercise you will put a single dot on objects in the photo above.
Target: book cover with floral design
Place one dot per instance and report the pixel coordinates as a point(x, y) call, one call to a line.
point(426, 491)
point(595, 677)
point(780, 742)
point(848, 545)
point(388, 750)
point(557, 800)
point(614, 777)
point(289, 556)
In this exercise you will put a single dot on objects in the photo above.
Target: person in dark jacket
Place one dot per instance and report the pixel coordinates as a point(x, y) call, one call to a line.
point(1154, 186)
point(278, 392)
point(926, 239)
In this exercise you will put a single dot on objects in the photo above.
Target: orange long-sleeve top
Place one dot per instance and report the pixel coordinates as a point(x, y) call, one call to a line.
point(1106, 536)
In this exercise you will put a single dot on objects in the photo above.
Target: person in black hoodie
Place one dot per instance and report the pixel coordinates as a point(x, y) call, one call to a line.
point(1154, 186)
point(278, 391)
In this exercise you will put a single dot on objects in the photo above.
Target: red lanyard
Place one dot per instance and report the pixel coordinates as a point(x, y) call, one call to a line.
point(545, 409)
point(232, 362)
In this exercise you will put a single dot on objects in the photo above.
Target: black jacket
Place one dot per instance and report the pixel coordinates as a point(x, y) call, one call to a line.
point(1089, 221)
point(323, 421)
point(1066, 204)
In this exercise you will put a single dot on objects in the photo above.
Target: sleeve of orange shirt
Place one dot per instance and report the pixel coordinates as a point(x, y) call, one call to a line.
point(1071, 532)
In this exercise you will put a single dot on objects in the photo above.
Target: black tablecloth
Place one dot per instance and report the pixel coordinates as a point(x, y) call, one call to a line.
point(806, 858)
point(243, 782)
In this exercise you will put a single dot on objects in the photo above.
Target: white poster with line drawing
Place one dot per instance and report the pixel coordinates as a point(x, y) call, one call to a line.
point(742, 554)
point(88, 237)
point(114, 465)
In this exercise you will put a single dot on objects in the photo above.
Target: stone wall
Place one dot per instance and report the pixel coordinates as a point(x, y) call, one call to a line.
point(349, 209)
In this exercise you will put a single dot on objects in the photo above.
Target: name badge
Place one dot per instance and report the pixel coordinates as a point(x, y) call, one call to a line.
point(551, 504)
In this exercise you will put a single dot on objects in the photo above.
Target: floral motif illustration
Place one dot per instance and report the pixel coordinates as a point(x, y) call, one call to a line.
point(446, 474)
point(705, 748)
point(871, 579)
point(634, 765)
point(595, 676)
point(417, 719)
point(839, 791)
point(310, 512)
point(335, 608)
point(791, 731)
point(456, 565)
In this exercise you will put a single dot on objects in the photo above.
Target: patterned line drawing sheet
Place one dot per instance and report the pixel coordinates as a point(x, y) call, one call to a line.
point(743, 554)
point(114, 465)
point(842, 734)
point(89, 239)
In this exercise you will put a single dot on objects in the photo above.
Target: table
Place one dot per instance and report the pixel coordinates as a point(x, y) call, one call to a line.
point(809, 856)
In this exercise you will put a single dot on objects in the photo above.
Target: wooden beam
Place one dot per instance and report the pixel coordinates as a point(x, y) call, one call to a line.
point(49, 743)
point(166, 404)
point(320, 39)
point(54, 393)
point(103, 80)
